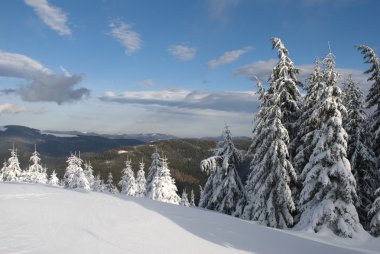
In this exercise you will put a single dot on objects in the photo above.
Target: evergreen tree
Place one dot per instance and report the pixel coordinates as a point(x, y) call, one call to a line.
point(373, 97)
point(128, 182)
point(184, 199)
point(192, 198)
point(98, 184)
point(223, 191)
point(12, 172)
point(328, 194)
point(74, 177)
point(359, 151)
point(284, 83)
point(141, 181)
point(374, 215)
point(53, 180)
point(110, 187)
point(2, 170)
point(269, 196)
point(154, 167)
point(36, 173)
point(163, 185)
point(89, 174)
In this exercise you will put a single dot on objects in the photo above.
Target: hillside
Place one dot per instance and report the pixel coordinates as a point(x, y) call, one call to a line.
point(42, 219)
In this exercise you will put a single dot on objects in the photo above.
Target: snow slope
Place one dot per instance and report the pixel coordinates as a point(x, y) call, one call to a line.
point(44, 219)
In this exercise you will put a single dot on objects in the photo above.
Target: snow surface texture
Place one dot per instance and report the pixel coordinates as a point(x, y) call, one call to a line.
point(45, 219)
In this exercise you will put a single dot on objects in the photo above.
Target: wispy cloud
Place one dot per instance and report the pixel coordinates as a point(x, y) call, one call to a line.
point(218, 9)
point(42, 84)
point(9, 108)
point(228, 57)
point(147, 82)
point(243, 102)
point(182, 52)
point(128, 38)
point(52, 16)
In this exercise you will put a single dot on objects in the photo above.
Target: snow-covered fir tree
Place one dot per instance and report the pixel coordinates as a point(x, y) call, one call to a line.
point(163, 185)
point(374, 215)
point(284, 83)
point(184, 199)
point(36, 173)
point(141, 181)
point(89, 174)
point(74, 177)
point(98, 184)
point(154, 167)
point(223, 191)
point(2, 170)
point(269, 196)
point(192, 198)
point(359, 150)
point(373, 97)
point(328, 193)
point(127, 182)
point(12, 172)
point(109, 186)
point(53, 180)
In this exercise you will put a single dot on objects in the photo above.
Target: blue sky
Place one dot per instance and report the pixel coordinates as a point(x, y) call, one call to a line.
point(178, 67)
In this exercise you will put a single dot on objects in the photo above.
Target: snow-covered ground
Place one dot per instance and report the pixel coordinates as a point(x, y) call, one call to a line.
point(43, 219)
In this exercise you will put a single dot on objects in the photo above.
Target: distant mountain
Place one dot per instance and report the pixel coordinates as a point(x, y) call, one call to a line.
point(57, 144)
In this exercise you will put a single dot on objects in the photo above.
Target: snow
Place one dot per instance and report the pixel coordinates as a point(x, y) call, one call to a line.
point(3, 128)
point(122, 152)
point(59, 135)
point(45, 219)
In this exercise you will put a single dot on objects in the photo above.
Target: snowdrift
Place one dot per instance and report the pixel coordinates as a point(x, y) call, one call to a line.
point(44, 219)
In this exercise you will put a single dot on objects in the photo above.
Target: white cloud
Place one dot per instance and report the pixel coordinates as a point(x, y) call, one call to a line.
point(52, 16)
point(128, 38)
point(9, 108)
point(182, 52)
point(227, 57)
point(219, 8)
point(42, 84)
point(242, 102)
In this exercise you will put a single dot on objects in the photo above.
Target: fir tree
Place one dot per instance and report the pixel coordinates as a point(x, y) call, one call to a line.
point(192, 198)
point(89, 174)
point(110, 187)
point(184, 199)
point(223, 191)
point(36, 173)
point(284, 83)
point(154, 167)
point(128, 182)
point(12, 172)
point(163, 185)
point(269, 196)
point(74, 177)
point(328, 194)
point(359, 151)
point(374, 215)
point(98, 184)
point(53, 180)
point(141, 181)
point(2, 170)
point(373, 97)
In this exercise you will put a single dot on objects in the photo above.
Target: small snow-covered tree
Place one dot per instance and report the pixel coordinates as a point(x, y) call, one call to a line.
point(359, 150)
point(269, 195)
point(128, 182)
point(192, 198)
point(373, 97)
point(53, 180)
point(36, 173)
point(2, 170)
point(163, 185)
point(110, 187)
point(154, 167)
point(89, 174)
point(223, 191)
point(98, 184)
point(12, 172)
point(328, 193)
point(74, 177)
point(184, 199)
point(141, 181)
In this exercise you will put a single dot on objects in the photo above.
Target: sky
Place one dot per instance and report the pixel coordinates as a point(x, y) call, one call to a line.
point(168, 66)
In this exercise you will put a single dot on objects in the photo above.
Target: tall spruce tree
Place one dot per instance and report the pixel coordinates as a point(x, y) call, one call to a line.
point(89, 174)
point(12, 172)
point(154, 167)
point(74, 177)
point(141, 181)
point(269, 196)
point(223, 191)
point(36, 173)
point(110, 186)
point(328, 193)
point(359, 150)
point(127, 182)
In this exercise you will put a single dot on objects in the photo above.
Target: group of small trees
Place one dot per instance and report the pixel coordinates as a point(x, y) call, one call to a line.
point(35, 173)
point(313, 161)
